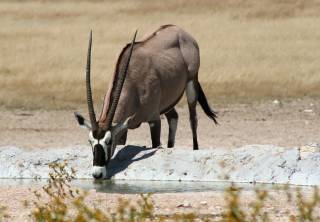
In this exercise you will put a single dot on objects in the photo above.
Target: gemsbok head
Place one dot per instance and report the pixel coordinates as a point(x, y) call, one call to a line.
point(149, 79)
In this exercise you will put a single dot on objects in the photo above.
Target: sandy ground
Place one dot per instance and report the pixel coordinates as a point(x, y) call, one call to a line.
point(206, 204)
point(288, 123)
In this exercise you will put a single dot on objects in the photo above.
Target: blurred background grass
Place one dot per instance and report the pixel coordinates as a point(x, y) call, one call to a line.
point(250, 50)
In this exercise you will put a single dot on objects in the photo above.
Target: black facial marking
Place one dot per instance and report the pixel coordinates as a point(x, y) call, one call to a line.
point(79, 118)
point(99, 156)
point(99, 134)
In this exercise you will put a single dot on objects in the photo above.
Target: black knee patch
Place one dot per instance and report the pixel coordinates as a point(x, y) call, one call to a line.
point(172, 114)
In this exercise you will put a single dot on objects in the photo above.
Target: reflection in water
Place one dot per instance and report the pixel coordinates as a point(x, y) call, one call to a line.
point(126, 186)
point(133, 187)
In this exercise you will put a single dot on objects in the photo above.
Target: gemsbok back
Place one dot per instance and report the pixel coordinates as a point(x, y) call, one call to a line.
point(149, 80)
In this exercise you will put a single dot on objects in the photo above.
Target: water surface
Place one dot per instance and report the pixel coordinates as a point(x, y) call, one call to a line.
point(138, 186)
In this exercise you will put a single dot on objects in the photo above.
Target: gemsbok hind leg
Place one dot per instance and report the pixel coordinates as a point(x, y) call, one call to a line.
point(172, 118)
point(155, 130)
point(192, 97)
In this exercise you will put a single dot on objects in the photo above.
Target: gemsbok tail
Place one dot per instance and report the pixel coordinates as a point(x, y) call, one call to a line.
point(205, 106)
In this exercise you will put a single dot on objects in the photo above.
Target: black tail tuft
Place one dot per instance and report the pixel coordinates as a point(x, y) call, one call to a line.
point(205, 106)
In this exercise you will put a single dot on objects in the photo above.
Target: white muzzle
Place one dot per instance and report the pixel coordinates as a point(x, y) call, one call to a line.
point(99, 172)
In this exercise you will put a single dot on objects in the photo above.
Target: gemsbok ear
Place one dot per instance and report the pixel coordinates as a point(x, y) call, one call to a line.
point(82, 121)
point(121, 128)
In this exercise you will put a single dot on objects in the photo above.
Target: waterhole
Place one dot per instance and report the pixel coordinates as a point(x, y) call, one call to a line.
point(137, 186)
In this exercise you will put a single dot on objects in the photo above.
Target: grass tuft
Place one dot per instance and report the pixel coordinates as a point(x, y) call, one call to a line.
point(65, 203)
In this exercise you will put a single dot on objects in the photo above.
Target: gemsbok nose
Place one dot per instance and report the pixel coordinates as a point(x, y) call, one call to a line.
point(97, 176)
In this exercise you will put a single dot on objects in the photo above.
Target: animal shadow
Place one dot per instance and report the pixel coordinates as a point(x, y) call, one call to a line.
point(126, 156)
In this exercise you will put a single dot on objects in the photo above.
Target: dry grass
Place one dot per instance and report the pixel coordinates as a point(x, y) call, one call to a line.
point(57, 201)
point(249, 49)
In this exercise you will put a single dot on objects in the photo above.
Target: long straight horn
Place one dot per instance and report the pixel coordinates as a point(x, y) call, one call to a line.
point(88, 86)
point(117, 91)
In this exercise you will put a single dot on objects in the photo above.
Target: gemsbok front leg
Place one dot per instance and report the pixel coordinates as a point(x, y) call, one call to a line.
point(123, 138)
point(192, 98)
point(155, 130)
point(172, 118)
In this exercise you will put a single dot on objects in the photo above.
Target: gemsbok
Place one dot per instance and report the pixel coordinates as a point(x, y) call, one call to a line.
point(150, 78)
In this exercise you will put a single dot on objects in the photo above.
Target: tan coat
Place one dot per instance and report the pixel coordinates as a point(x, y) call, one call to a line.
point(160, 67)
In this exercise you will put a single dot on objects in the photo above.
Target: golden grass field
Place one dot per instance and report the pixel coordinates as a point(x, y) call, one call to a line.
point(249, 49)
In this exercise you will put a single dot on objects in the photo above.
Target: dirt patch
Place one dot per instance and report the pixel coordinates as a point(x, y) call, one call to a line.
point(204, 203)
point(281, 123)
